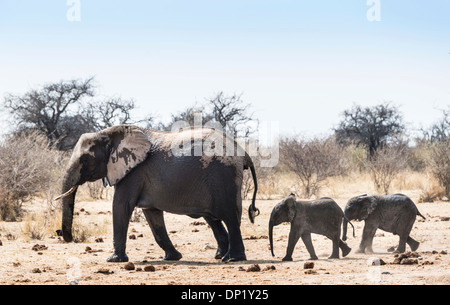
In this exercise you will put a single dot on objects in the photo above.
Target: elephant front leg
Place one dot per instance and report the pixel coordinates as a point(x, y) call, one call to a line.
point(293, 239)
point(121, 218)
point(367, 239)
point(309, 246)
point(155, 219)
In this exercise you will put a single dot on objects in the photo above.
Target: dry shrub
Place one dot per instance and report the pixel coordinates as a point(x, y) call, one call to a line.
point(81, 232)
point(439, 164)
point(28, 166)
point(265, 178)
point(356, 157)
point(431, 191)
point(384, 166)
point(418, 157)
point(313, 161)
point(34, 226)
point(96, 189)
point(39, 225)
point(8, 233)
point(93, 191)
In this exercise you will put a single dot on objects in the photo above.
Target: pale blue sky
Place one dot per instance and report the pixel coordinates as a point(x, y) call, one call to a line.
point(297, 62)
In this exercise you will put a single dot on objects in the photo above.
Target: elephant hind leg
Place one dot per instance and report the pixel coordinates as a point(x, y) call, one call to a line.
point(236, 249)
point(414, 244)
point(155, 219)
point(221, 235)
point(345, 248)
point(336, 245)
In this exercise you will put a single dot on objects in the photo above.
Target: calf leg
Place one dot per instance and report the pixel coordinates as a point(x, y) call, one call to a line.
point(367, 239)
point(344, 248)
point(293, 239)
point(414, 244)
point(335, 253)
point(306, 237)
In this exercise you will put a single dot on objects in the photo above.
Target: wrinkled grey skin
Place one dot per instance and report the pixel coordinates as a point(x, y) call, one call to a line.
point(391, 213)
point(146, 174)
point(322, 216)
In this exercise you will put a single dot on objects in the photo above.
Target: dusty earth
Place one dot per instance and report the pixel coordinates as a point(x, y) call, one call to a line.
point(52, 261)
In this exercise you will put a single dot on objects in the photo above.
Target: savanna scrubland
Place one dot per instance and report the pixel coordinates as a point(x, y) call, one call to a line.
point(369, 152)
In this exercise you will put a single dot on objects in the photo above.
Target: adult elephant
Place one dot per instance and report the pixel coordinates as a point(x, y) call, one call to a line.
point(163, 171)
point(391, 213)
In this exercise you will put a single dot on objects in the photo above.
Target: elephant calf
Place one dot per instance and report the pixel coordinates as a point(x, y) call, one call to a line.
point(391, 213)
point(322, 216)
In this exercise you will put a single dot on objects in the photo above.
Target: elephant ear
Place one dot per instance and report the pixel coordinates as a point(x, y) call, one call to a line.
point(130, 146)
point(290, 204)
point(369, 204)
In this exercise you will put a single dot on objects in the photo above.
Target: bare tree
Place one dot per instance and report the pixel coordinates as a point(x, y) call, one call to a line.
point(63, 111)
point(109, 112)
point(232, 113)
point(313, 161)
point(439, 131)
point(47, 109)
point(191, 115)
point(373, 127)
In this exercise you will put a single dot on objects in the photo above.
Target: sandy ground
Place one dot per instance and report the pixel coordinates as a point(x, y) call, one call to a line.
point(60, 263)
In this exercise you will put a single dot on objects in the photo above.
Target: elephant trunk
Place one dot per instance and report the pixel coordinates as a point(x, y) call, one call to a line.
point(271, 225)
point(68, 202)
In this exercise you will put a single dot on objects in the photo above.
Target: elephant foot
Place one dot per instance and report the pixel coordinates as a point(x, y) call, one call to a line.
point(414, 245)
point(287, 259)
point(237, 259)
point(220, 254)
point(359, 251)
point(398, 250)
point(313, 258)
point(346, 251)
point(227, 258)
point(116, 258)
point(334, 256)
point(173, 256)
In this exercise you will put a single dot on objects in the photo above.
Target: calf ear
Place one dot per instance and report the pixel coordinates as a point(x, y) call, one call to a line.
point(290, 204)
point(129, 146)
point(368, 205)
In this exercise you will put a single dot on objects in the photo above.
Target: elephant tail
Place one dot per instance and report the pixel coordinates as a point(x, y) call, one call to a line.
point(253, 211)
point(418, 214)
point(344, 227)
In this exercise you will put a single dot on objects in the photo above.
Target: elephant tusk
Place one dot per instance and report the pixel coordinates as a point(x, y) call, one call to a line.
point(73, 189)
